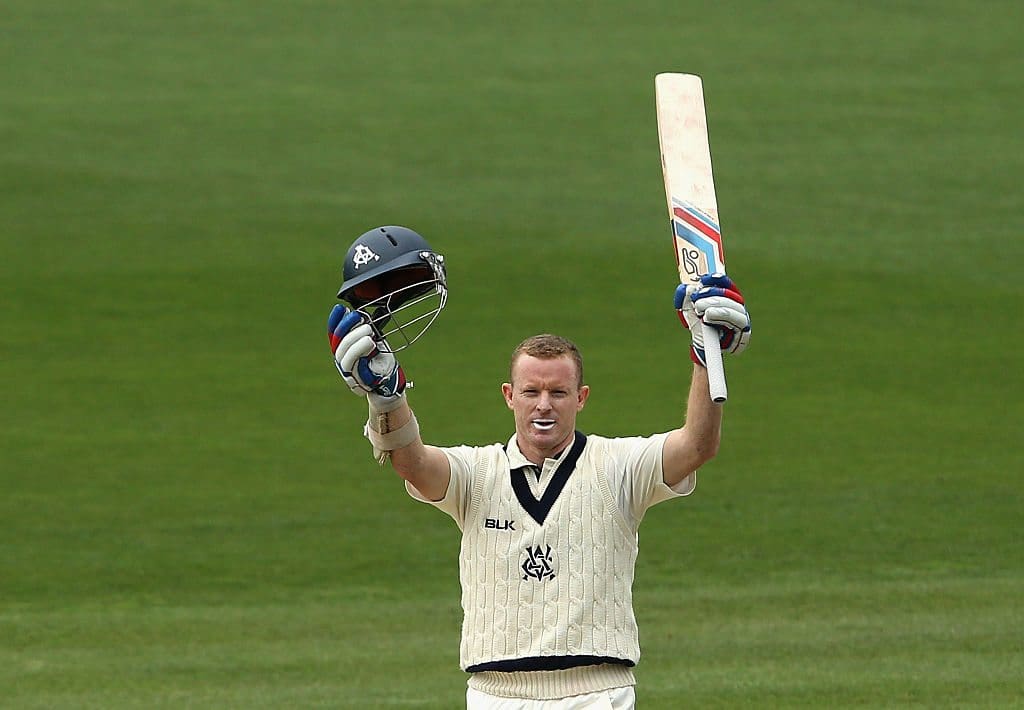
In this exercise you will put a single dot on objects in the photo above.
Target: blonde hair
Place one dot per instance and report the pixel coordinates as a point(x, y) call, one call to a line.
point(547, 347)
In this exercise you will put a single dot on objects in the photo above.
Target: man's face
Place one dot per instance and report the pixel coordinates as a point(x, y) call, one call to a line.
point(545, 396)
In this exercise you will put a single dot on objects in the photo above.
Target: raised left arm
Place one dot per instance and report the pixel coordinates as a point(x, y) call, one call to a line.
point(695, 443)
point(718, 302)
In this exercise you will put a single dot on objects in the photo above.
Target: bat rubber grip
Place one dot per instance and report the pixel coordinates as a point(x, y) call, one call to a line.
point(713, 358)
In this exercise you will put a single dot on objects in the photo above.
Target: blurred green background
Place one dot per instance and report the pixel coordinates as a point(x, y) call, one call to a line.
point(190, 516)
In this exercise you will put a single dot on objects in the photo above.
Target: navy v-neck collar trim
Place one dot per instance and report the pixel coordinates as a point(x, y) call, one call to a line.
point(539, 509)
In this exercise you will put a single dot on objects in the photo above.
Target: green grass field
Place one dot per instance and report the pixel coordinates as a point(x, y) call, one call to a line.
point(189, 515)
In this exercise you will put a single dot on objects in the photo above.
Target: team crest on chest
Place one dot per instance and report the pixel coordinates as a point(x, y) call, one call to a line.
point(538, 563)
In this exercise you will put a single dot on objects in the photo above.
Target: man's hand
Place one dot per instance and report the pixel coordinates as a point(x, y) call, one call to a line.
point(717, 302)
point(366, 369)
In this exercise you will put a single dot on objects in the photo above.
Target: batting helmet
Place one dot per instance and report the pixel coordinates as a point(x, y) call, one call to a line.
point(392, 276)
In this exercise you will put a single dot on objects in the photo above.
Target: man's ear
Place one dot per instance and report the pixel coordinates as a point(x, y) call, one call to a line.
point(506, 391)
point(582, 396)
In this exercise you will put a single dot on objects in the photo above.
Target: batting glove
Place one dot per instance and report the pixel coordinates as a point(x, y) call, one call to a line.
point(367, 369)
point(717, 302)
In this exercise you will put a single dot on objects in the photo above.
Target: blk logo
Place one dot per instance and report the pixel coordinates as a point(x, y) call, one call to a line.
point(495, 524)
point(539, 563)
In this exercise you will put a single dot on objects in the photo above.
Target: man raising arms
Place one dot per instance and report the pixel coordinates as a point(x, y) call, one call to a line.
point(549, 518)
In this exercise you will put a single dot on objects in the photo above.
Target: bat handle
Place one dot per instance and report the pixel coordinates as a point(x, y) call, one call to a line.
point(713, 357)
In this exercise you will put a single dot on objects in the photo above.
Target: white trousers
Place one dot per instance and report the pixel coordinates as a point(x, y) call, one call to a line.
point(614, 699)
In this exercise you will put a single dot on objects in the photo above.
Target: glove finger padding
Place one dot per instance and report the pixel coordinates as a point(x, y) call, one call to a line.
point(333, 321)
point(340, 323)
point(684, 306)
point(690, 321)
point(349, 330)
point(719, 303)
point(719, 310)
point(723, 308)
point(721, 281)
point(355, 346)
point(367, 368)
point(732, 324)
point(343, 325)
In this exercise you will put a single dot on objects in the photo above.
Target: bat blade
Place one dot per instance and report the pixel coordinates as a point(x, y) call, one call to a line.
point(690, 195)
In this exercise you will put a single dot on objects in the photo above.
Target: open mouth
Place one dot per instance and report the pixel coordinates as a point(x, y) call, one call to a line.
point(543, 424)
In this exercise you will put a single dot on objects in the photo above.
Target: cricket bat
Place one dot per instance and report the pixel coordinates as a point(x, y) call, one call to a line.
point(690, 192)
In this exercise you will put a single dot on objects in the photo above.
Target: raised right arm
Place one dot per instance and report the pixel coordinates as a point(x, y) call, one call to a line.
point(425, 467)
point(391, 427)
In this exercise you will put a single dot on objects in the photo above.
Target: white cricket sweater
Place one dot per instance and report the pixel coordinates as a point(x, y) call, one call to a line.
point(547, 572)
point(556, 582)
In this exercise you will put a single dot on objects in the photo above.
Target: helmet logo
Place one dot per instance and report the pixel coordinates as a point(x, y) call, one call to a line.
point(363, 256)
